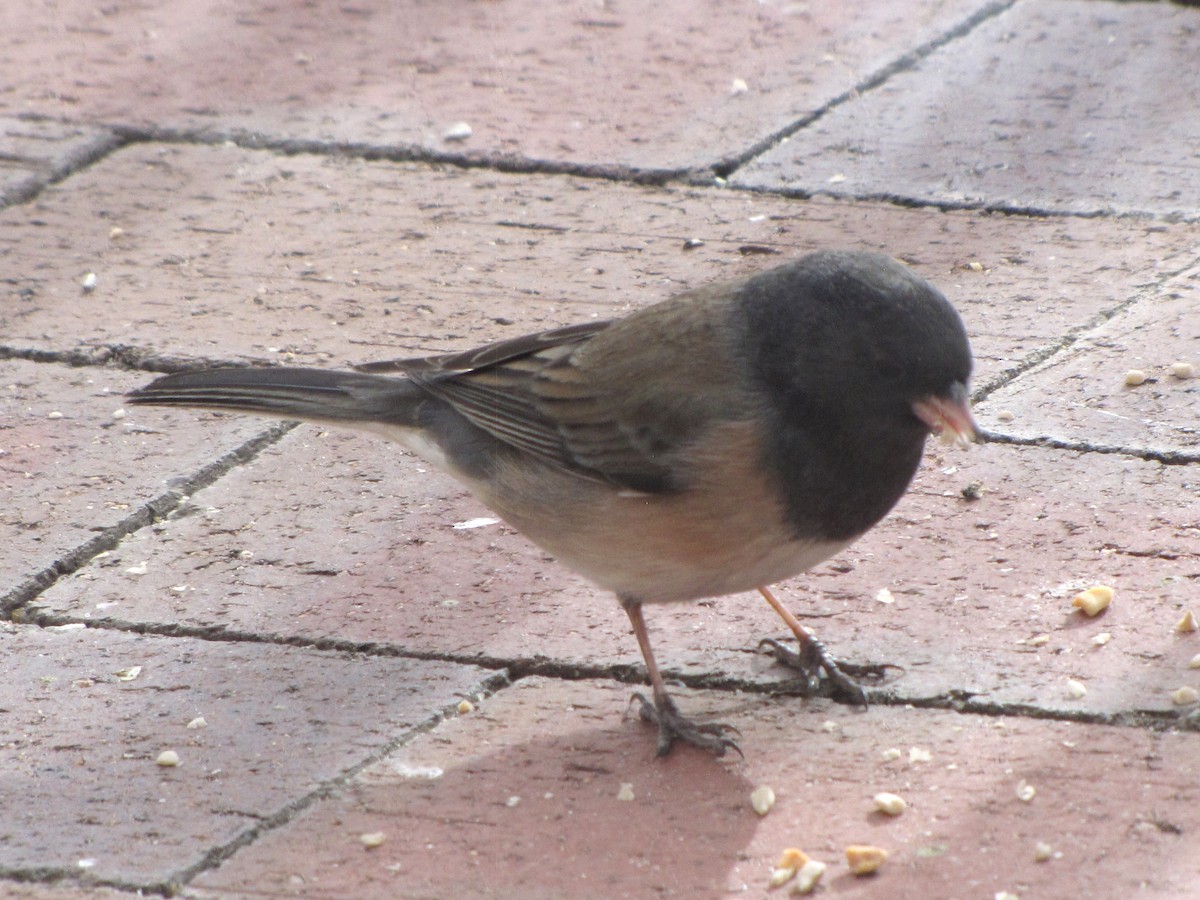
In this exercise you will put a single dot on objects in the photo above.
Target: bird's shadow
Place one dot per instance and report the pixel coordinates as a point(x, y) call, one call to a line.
point(572, 812)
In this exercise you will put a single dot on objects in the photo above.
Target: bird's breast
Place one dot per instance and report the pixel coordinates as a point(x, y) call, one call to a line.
point(723, 532)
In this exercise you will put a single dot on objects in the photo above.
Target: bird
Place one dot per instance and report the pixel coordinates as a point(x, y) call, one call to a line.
point(724, 439)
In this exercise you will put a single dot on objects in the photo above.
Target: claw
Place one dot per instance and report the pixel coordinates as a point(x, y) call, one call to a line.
point(672, 726)
point(813, 659)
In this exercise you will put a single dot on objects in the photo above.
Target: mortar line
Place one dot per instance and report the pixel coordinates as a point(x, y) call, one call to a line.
point(399, 153)
point(1047, 351)
point(664, 177)
point(175, 883)
point(146, 514)
point(870, 82)
point(109, 140)
point(517, 668)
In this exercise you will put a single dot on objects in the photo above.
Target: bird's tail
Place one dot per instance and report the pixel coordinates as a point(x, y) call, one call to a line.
point(316, 395)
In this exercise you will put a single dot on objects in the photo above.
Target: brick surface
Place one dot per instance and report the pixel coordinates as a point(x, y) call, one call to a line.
point(1080, 394)
point(34, 152)
point(689, 830)
point(1071, 106)
point(227, 253)
point(52, 891)
point(316, 603)
point(610, 85)
point(367, 550)
point(79, 778)
point(71, 466)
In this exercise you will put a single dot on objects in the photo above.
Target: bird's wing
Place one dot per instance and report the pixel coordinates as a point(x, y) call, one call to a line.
point(593, 399)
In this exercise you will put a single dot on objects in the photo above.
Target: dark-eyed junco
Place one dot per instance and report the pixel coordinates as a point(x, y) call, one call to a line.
point(722, 440)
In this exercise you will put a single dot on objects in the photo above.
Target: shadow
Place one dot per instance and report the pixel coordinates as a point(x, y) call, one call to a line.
point(501, 803)
point(569, 834)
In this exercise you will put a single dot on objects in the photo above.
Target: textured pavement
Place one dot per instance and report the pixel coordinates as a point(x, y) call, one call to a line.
point(299, 614)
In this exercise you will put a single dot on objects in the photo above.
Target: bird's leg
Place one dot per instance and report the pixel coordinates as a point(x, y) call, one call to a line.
point(672, 726)
point(812, 657)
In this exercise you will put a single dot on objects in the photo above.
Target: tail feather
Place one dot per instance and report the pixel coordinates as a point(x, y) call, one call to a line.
point(290, 393)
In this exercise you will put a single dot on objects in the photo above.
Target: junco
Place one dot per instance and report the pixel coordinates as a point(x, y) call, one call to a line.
point(727, 438)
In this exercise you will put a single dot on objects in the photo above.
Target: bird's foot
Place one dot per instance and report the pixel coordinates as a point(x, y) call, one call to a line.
point(672, 727)
point(812, 660)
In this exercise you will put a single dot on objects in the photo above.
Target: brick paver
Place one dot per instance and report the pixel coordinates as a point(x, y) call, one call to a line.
point(688, 829)
point(306, 591)
point(1070, 107)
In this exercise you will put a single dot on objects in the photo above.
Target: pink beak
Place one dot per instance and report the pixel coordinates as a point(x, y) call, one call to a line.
point(950, 416)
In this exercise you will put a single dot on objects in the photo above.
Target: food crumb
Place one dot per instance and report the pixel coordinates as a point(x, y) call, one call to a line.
point(808, 877)
point(889, 804)
point(1094, 600)
point(1134, 377)
point(168, 759)
point(864, 859)
point(1184, 696)
point(762, 798)
point(790, 861)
